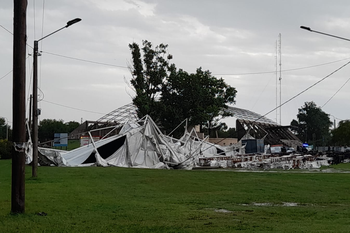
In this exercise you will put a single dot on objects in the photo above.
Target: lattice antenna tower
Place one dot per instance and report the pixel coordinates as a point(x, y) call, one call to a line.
point(276, 73)
point(280, 73)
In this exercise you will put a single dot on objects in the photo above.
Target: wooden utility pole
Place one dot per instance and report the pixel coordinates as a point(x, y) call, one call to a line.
point(18, 106)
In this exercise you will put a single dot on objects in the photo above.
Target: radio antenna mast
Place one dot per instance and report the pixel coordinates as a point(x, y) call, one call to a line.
point(280, 78)
point(276, 73)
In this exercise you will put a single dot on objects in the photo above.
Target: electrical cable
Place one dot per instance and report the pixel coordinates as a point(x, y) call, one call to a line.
point(287, 70)
point(287, 101)
point(295, 96)
point(6, 74)
point(336, 93)
point(84, 60)
point(34, 12)
point(6, 29)
point(83, 110)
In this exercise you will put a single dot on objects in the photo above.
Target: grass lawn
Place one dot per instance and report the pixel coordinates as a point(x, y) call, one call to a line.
point(95, 199)
point(72, 144)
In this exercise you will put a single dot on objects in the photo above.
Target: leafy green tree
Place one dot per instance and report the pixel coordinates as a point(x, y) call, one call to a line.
point(341, 135)
point(219, 129)
point(228, 133)
point(5, 139)
point(71, 125)
point(198, 97)
point(48, 127)
point(313, 125)
point(4, 129)
point(170, 95)
point(149, 73)
point(5, 149)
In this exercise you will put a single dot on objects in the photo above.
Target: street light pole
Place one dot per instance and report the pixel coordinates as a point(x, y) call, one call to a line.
point(35, 110)
point(35, 96)
point(326, 34)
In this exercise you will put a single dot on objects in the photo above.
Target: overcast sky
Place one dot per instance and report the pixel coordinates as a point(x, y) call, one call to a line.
point(83, 72)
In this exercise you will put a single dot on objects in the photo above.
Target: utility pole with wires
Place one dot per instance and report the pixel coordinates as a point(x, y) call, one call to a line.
point(19, 106)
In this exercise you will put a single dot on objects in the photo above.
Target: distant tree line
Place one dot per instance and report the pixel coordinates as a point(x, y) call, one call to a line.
point(46, 130)
point(313, 126)
point(5, 139)
point(48, 127)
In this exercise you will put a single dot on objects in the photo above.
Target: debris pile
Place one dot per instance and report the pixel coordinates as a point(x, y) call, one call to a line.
point(141, 144)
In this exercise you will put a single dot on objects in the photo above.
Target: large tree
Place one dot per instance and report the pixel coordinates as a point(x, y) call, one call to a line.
point(198, 97)
point(170, 95)
point(149, 73)
point(341, 135)
point(313, 124)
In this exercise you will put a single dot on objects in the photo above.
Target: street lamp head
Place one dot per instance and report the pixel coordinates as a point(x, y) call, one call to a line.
point(306, 28)
point(326, 34)
point(73, 21)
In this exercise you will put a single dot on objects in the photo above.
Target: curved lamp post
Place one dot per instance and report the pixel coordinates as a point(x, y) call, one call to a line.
point(326, 34)
point(36, 111)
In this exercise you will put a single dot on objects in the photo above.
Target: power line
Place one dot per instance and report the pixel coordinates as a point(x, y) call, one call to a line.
point(237, 74)
point(58, 55)
point(9, 72)
point(12, 34)
point(6, 29)
point(336, 117)
point(84, 60)
point(83, 110)
point(305, 89)
point(287, 70)
point(34, 12)
point(336, 92)
point(43, 20)
point(252, 73)
point(6, 75)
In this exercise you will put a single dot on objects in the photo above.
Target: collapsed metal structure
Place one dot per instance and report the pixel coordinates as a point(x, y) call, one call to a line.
point(248, 125)
point(119, 116)
point(134, 142)
point(272, 134)
point(252, 125)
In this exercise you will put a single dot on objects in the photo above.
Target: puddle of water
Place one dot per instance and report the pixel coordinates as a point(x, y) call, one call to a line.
point(290, 204)
point(287, 204)
point(262, 204)
point(222, 211)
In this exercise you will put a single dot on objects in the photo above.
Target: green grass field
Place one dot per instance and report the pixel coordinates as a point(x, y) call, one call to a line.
point(72, 144)
point(96, 199)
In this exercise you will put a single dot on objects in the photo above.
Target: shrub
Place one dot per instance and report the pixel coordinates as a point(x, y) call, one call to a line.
point(5, 149)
